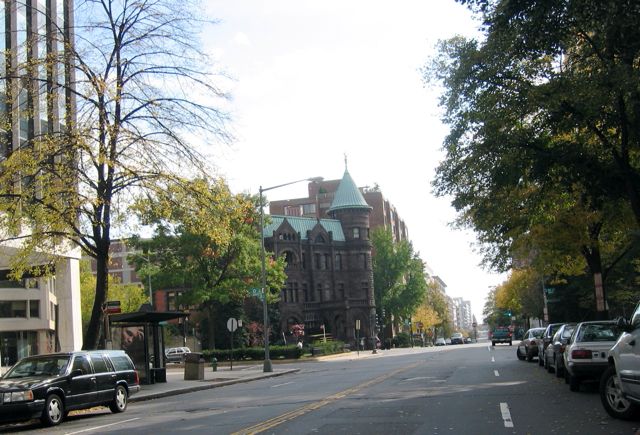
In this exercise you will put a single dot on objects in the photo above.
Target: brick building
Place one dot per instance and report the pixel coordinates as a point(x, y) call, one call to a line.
point(321, 195)
point(329, 271)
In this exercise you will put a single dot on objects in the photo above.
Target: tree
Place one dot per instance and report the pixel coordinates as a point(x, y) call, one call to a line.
point(144, 92)
point(206, 242)
point(131, 296)
point(537, 110)
point(398, 277)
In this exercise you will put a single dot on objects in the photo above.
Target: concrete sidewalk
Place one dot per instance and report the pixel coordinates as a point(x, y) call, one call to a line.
point(223, 376)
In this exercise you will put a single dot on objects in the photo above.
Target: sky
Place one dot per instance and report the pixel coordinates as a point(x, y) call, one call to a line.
point(313, 81)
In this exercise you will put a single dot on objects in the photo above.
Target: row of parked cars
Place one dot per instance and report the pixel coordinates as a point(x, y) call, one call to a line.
point(605, 351)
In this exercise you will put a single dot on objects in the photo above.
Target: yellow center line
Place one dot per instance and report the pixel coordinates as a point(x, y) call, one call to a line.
point(288, 416)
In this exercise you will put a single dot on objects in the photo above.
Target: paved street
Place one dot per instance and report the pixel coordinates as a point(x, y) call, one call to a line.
point(470, 389)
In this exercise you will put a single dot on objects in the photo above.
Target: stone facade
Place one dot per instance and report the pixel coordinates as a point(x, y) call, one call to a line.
point(329, 270)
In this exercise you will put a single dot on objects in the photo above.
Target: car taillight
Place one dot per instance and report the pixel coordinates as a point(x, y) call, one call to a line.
point(137, 377)
point(581, 354)
point(509, 335)
point(562, 347)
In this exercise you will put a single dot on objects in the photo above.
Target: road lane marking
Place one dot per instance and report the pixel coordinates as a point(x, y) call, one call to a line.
point(103, 426)
point(495, 372)
point(493, 359)
point(287, 416)
point(506, 415)
point(281, 385)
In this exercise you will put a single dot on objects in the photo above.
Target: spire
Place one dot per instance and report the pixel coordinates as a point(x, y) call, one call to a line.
point(348, 195)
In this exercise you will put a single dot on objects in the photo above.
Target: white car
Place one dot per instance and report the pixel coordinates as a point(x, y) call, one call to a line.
point(620, 383)
point(176, 354)
point(587, 351)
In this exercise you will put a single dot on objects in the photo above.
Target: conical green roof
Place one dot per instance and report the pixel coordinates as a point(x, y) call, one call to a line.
point(348, 195)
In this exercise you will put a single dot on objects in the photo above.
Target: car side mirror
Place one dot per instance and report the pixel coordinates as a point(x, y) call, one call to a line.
point(624, 325)
point(76, 373)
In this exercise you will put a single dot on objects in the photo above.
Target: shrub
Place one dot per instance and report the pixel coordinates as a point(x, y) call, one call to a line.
point(253, 353)
point(402, 340)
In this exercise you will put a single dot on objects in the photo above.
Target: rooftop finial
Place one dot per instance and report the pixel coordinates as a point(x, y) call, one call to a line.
point(345, 162)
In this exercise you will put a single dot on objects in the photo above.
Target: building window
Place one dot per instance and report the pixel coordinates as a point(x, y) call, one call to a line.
point(34, 308)
point(292, 210)
point(12, 309)
point(341, 291)
point(327, 261)
point(305, 292)
point(308, 208)
point(319, 288)
point(338, 262)
point(365, 288)
point(318, 261)
point(356, 233)
point(295, 292)
point(363, 261)
point(283, 294)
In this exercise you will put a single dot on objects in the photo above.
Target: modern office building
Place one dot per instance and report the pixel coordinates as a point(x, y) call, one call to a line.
point(329, 284)
point(38, 314)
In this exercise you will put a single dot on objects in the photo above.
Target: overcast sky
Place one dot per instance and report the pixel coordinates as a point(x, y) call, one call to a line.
point(315, 80)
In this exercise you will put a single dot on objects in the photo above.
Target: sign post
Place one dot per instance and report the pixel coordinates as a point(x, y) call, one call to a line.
point(358, 336)
point(232, 325)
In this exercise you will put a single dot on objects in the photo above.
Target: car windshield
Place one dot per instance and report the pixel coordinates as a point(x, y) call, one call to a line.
point(568, 330)
point(598, 332)
point(537, 333)
point(41, 366)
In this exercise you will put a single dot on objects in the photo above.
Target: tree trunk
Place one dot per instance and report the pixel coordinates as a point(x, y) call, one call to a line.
point(594, 260)
point(92, 335)
point(212, 326)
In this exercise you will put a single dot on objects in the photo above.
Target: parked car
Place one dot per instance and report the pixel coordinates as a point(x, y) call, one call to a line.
point(553, 361)
point(457, 338)
point(528, 347)
point(468, 340)
point(440, 342)
point(587, 351)
point(501, 334)
point(619, 384)
point(49, 386)
point(176, 354)
point(544, 341)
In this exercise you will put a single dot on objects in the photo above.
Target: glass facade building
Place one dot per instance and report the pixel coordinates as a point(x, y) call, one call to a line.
point(37, 314)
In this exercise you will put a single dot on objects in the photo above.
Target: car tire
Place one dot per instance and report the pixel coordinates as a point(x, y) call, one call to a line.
point(53, 412)
point(542, 360)
point(510, 343)
point(550, 368)
point(493, 343)
point(528, 354)
point(120, 400)
point(559, 370)
point(612, 399)
point(574, 383)
point(519, 355)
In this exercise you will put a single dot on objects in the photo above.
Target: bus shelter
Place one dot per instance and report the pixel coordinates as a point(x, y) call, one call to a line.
point(139, 334)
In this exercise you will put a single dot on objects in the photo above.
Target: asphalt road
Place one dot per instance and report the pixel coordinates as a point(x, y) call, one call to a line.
point(468, 389)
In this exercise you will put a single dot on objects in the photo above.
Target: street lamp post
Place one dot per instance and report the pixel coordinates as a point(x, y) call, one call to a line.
point(265, 313)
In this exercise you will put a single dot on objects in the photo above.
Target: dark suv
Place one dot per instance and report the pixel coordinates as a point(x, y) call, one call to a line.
point(49, 386)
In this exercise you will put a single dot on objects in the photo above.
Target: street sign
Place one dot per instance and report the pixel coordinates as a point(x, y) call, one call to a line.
point(112, 307)
point(232, 324)
point(256, 293)
point(474, 324)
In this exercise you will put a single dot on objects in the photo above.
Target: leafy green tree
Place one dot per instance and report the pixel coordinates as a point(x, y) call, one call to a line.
point(538, 132)
point(131, 296)
point(206, 242)
point(398, 277)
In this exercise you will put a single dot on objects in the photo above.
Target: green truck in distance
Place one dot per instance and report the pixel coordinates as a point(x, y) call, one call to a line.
point(501, 334)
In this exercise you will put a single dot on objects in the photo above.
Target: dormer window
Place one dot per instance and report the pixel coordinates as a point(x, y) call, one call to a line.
point(356, 233)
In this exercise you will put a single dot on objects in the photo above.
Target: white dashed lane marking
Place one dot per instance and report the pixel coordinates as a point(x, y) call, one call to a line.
point(495, 372)
point(506, 415)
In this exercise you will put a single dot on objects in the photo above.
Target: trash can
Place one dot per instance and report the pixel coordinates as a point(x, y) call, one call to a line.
point(193, 367)
point(214, 364)
point(159, 374)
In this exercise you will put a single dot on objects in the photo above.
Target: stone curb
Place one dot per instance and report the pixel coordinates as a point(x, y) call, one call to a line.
point(207, 386)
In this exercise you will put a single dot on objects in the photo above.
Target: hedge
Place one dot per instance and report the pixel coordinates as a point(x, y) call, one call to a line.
point(253, 353)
